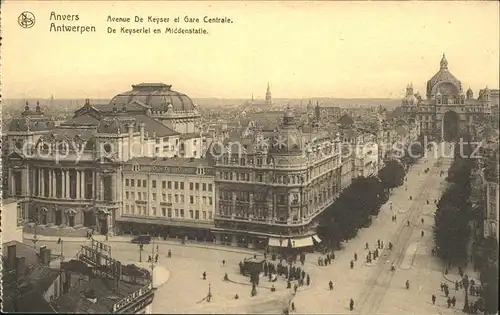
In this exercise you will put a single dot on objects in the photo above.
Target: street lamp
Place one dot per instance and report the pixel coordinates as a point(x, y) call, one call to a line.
point(35, 237)
point(62, 251)
point(465, 282)
point(141, 248)
point(209, 295)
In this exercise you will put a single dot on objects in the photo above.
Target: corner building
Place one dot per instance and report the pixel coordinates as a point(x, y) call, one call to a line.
point(271, 187)
point(72, 177)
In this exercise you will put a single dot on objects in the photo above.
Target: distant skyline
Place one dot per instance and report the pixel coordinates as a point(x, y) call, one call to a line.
point(305, 50)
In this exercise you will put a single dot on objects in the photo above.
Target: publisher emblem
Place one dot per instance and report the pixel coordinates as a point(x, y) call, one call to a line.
point(26, 19)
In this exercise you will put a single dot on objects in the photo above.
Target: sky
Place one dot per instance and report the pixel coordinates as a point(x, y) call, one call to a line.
point(304, 49)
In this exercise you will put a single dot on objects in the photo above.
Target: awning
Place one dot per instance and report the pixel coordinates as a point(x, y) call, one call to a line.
point(302, 242)
point(275, 242)
point(316, 238)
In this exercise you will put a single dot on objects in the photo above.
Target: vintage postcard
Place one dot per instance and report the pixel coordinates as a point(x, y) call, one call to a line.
point(244, 157)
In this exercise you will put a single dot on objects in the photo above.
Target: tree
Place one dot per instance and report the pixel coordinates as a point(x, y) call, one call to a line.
point(352, 210)
point(454, 211)
point(392, 174)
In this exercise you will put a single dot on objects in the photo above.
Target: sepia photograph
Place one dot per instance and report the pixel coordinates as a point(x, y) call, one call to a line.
point(244, 157)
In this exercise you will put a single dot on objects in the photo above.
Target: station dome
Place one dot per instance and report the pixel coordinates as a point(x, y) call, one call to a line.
point(156, 95)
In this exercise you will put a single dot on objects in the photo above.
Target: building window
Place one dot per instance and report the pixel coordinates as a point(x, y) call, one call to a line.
point(197, 186)
point(132, 195)
point(154, 196)
point(209, 187)
point(182, 213)
point(132, 182)
point(139, 196)
point(144, 183)
point(139, 183)
point(164, 212)
point(169, 212)
point(204, 215)
point(210, 200)
point(182, 198)
point(153, 183)
point(176, 212)
point(127, 209)
point(153, 209)
point(182, 185)
point(127, 195)
point(176, 185)
point(164, 184)
point(176, 198)
point(169, 185)
point(191, 199)
point(127, 182)
point(191, 186)
point(197, 214)
point(204, 187)
point(190, 214)
point(144, 196)
point(170, 198)
point(210, 215)
point(163, 197)
point(132, 209)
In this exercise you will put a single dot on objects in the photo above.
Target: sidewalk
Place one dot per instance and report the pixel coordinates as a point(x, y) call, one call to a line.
point(127, 239)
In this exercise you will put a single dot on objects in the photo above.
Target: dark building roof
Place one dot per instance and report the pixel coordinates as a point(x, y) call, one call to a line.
point(31, 124)
point(164, 161)
point(155, 95)
point(346, 120)
point(105, 290)
point(118, 124)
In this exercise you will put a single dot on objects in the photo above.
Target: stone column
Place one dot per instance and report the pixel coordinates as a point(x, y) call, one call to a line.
point(40, 192)
point(68, 184)
point(78, 185)
point(82, 182)
point(50, 183)
point(26, 181)
point(63, 184)
point(54, 183)
point(234, 241)
point(233, 204)
point(113, 186)
point(252, 206)
point(94, 191)
point(42, 182)
point(12, 184)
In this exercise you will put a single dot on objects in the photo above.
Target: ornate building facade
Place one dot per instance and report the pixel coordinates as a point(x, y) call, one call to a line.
point(270, 187)
point(73, 175)
point(447, 112)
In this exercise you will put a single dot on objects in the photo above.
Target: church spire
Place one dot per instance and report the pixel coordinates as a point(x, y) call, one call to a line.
point(444, 63)
point(268, 95)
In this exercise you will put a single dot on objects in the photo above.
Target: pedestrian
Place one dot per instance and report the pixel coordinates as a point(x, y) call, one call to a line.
point(366, 245)
point(330, 284)
point(106, 237)
point(351, 304)
point(355, 257)
point(293, 306)
point(453, 301)
point(422, 234)
point(442, 286)
point(204, 275)
point(223, 263)
point(156, 258)
point(308, 280)
point(381, 244)
point(448, 301)
point(433, 251)
point(157, 249)
point(378, 243)
point(169, 253)
point(408, 223)
point(410, 198)
point(456, 285)
point(352, 264)
point(433, 299)
point(422, 220)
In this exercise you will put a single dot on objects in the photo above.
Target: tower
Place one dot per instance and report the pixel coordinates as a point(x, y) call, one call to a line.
point(269, 100)
point(444, 63)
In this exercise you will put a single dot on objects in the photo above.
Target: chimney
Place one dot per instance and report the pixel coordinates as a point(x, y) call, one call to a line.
point(21, 266)
point(11, 257)
point(44, 255)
